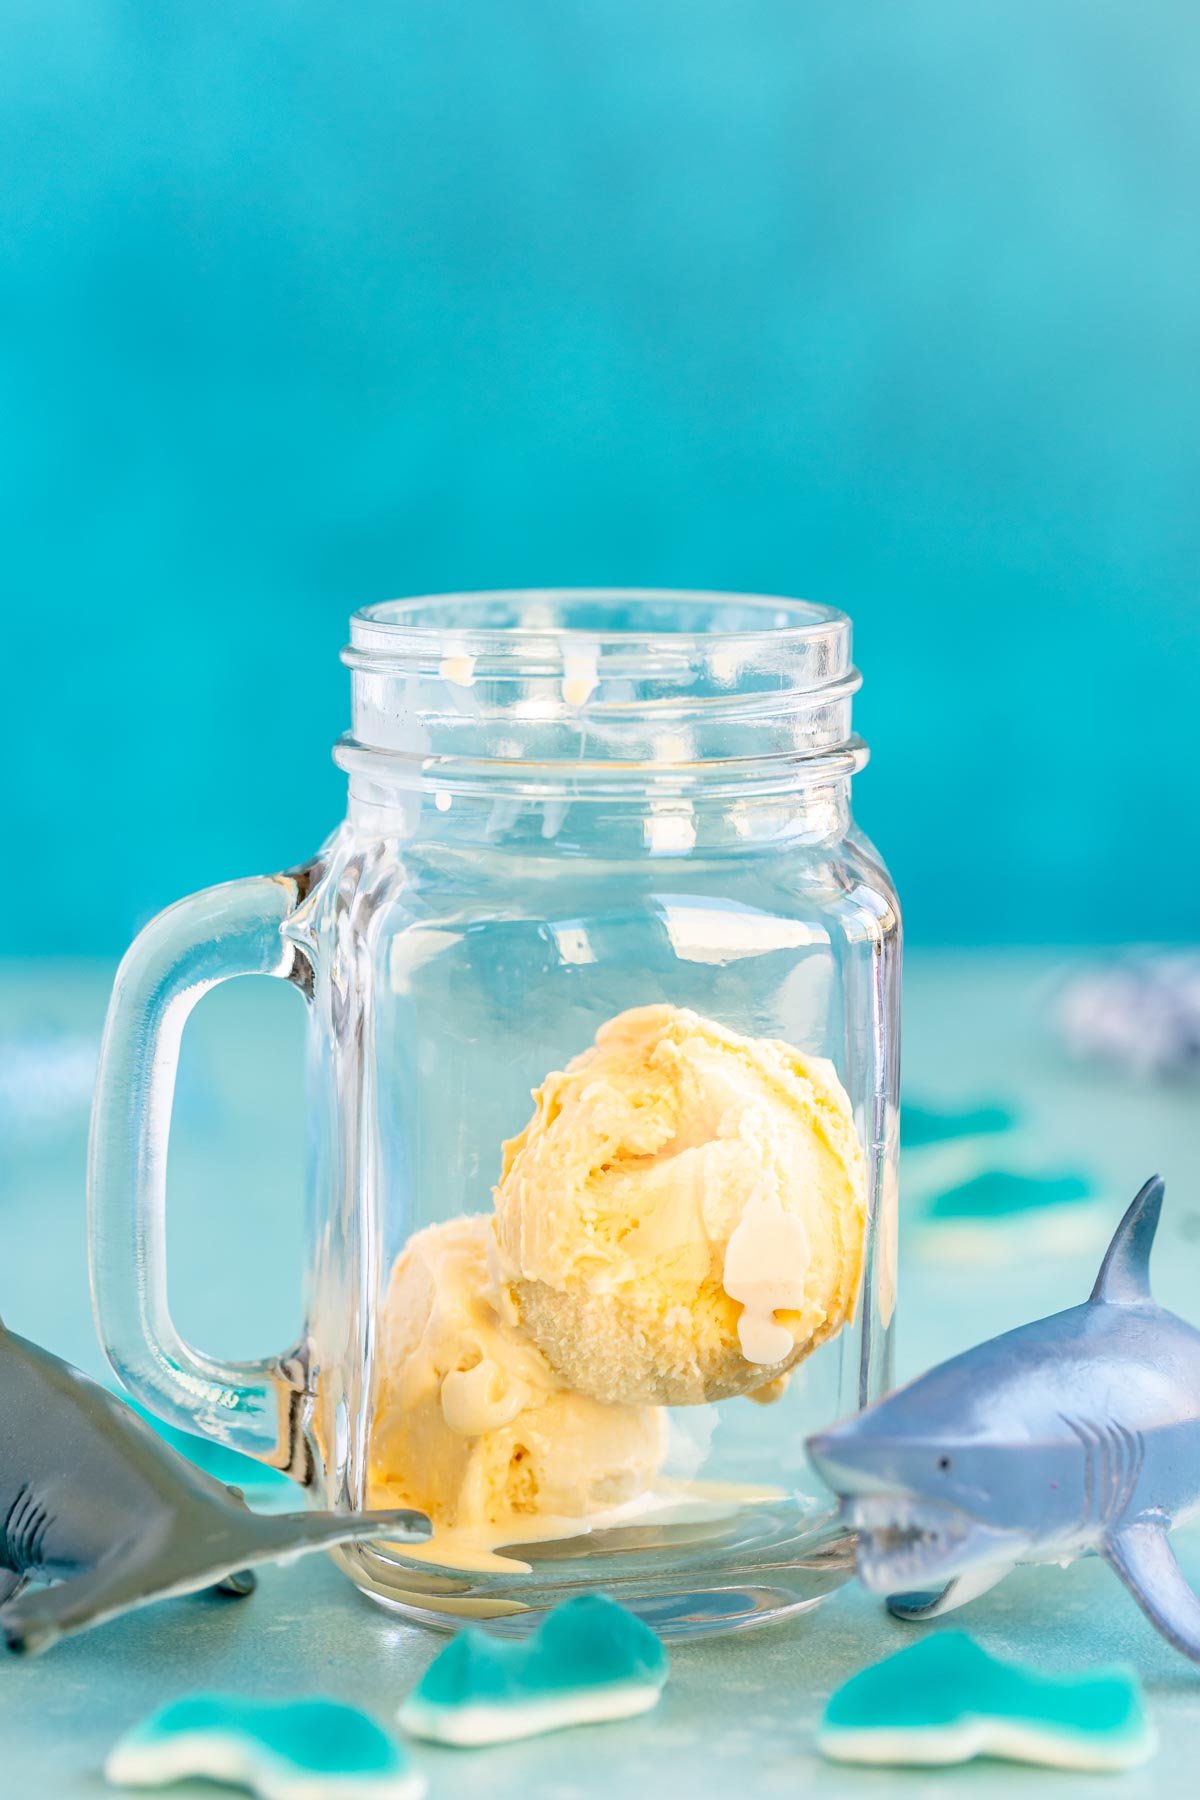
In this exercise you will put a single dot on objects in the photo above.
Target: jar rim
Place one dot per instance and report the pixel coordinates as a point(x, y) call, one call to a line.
point(600, 688)
point(620, 623)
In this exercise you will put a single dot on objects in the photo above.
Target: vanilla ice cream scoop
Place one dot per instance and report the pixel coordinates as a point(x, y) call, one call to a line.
point(682, 1218)
point(471, 1423)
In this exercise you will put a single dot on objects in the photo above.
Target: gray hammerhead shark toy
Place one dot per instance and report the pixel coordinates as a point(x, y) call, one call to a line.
point(92, 1499)
point(1074, 1435)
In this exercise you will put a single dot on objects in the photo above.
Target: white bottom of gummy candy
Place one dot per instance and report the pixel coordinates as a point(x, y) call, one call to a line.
point(204, 1755)
point(1012, 1740)
point(474, 1724)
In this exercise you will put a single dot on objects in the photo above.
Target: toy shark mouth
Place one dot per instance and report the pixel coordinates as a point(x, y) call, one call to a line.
point(903, 1542)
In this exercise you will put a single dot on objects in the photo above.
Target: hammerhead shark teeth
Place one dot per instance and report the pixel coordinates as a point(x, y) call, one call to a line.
point(1073, 1435)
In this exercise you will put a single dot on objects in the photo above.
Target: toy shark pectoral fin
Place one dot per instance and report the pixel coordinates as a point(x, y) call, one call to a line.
point(31, 1622)
point(1142, 1556)
point(11, 1585)
point(956, 1593)
point(237, 1585)
point(240, 1582)
point(912, 1607)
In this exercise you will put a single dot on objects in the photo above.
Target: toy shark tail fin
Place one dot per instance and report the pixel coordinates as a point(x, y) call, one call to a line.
point(1124, 1276)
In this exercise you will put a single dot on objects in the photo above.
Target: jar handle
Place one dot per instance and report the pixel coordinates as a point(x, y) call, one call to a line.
point(234, 929)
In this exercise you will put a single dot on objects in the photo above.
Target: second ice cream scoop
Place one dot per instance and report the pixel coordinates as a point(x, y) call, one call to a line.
point(472, 1418)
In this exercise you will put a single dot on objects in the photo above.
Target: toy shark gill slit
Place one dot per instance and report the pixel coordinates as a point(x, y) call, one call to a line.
point(93, 1501)
point(1076, 1435)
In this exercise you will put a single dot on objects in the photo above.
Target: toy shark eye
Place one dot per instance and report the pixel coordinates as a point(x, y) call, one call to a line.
point(943, 1462)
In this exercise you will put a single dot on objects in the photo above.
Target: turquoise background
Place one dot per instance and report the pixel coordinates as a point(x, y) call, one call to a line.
point(891, 305)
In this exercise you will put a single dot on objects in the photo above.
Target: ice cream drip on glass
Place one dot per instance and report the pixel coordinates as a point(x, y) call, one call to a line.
point(681, 1221)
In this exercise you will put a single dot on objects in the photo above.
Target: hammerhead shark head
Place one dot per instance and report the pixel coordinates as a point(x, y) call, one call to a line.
point(92, 1499)
point(1075, 1435)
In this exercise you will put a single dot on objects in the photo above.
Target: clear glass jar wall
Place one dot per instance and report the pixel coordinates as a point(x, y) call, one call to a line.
point(566, 808)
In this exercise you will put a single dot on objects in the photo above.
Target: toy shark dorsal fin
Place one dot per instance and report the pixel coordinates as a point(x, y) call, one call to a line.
point(1124, 1276)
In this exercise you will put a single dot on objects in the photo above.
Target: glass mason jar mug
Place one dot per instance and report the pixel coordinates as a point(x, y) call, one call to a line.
point(598, 849)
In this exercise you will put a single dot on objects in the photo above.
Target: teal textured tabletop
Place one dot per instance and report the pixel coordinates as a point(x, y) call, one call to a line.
point(739, 1713)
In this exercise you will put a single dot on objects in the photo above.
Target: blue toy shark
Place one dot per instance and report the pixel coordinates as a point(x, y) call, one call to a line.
point(1077, 1434)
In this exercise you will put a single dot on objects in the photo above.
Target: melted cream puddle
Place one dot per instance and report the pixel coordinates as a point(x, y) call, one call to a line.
point(477, 1549)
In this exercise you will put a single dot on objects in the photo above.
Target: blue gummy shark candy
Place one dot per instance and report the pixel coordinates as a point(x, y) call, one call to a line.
point(946, 1700)
point(278, 1749)
point(589, 1660)
point(922, 1125)
point(1004, 1193)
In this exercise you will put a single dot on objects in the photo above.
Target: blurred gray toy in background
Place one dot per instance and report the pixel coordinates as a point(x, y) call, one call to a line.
point(1141, 1013)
